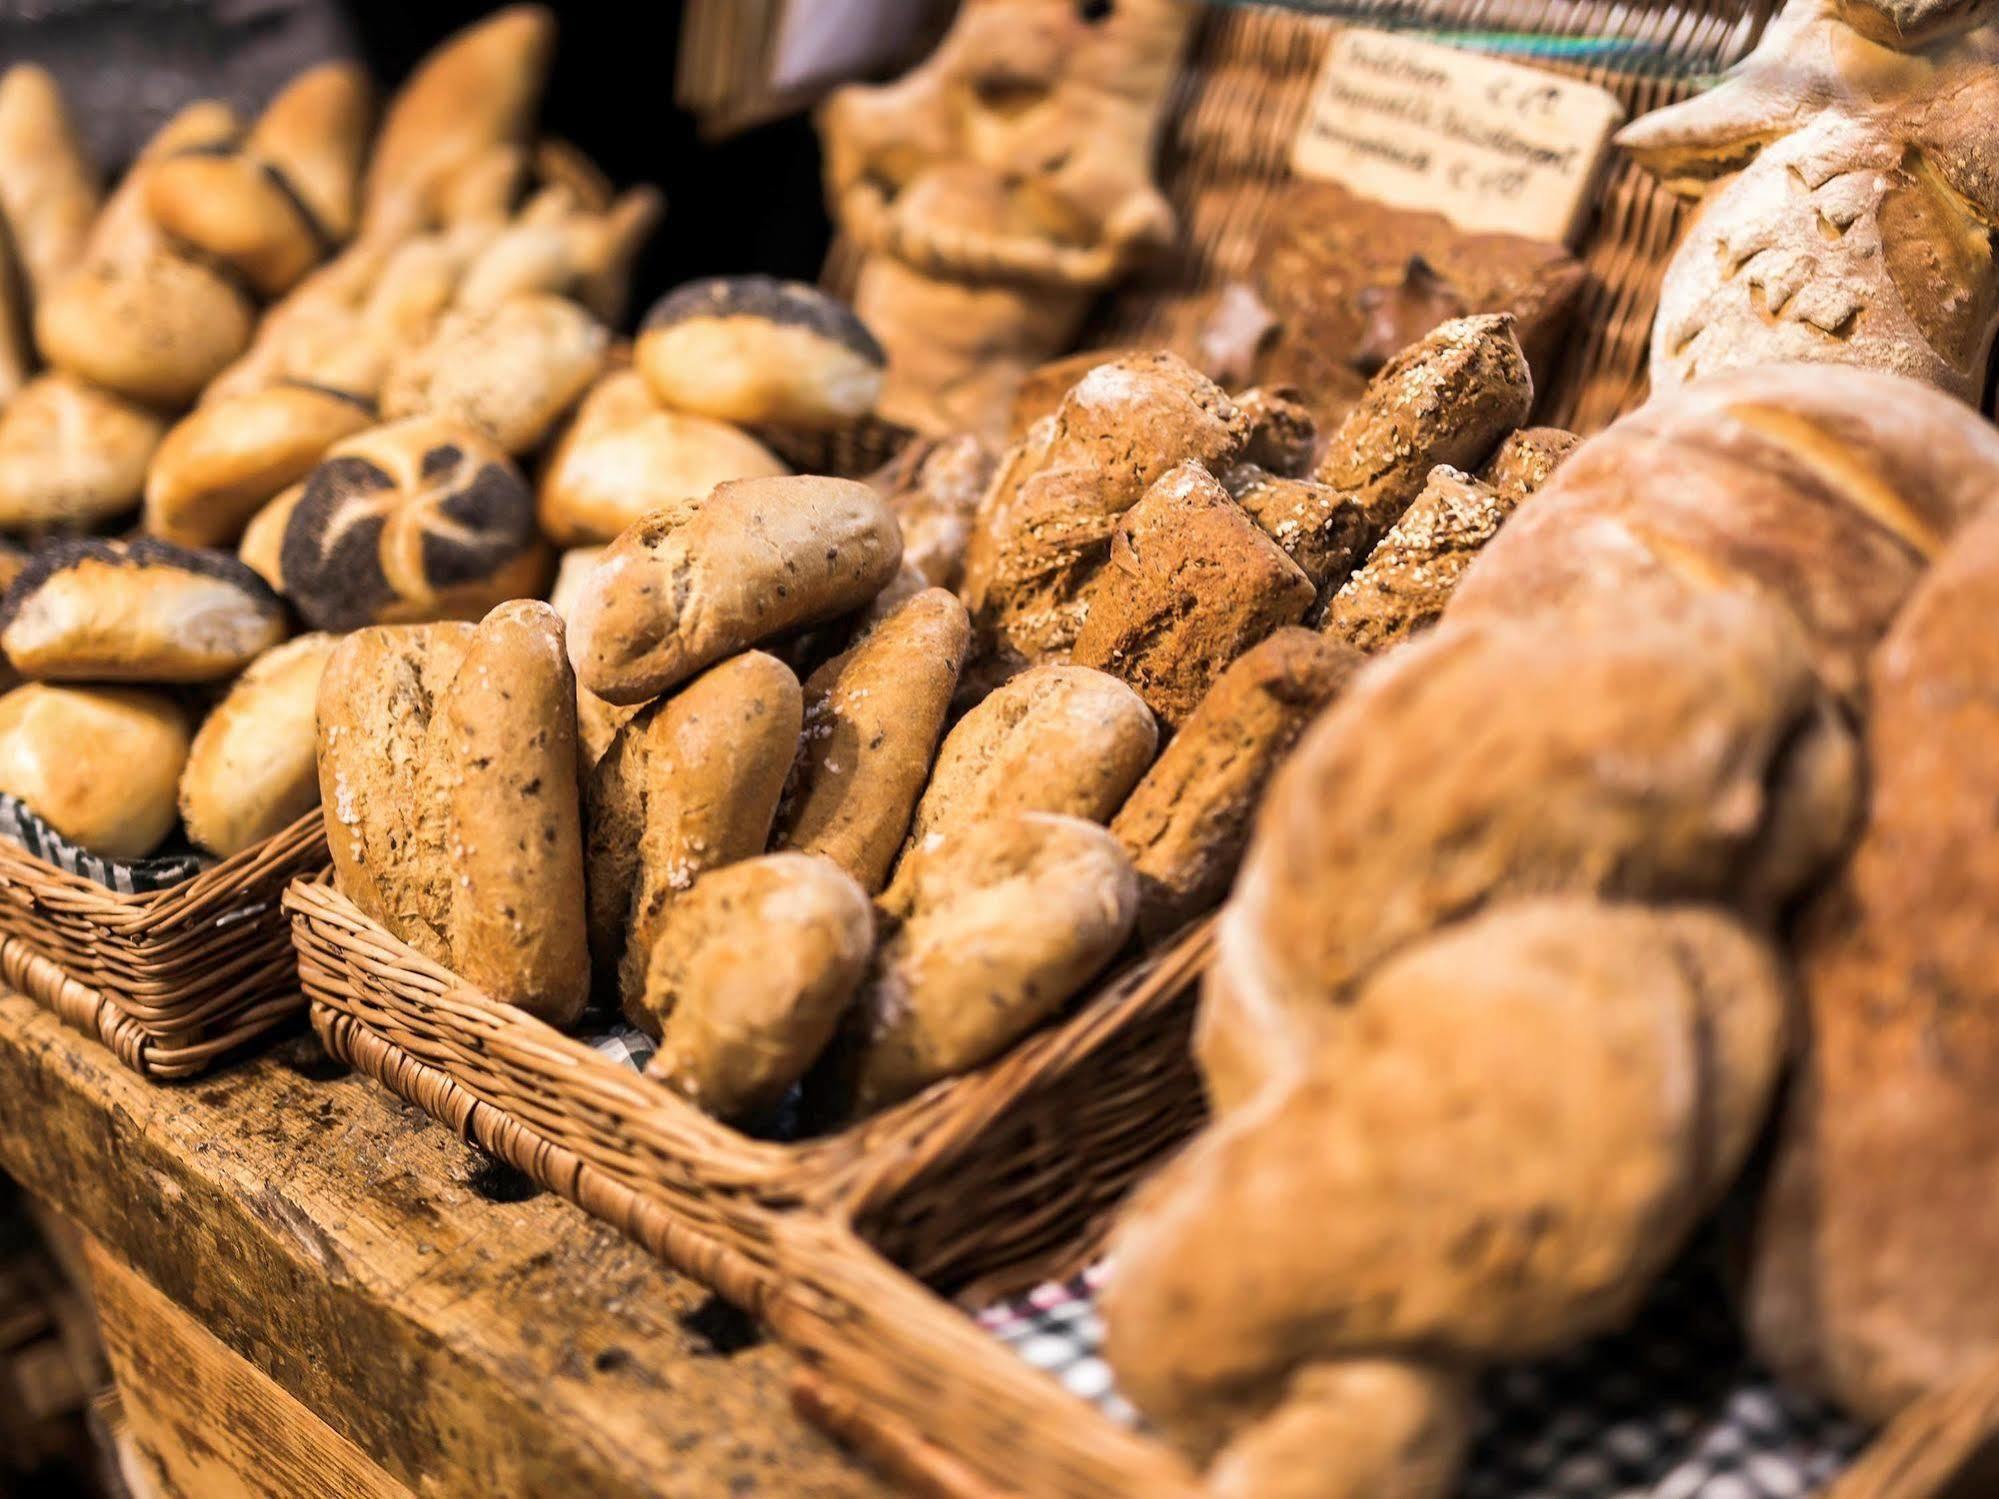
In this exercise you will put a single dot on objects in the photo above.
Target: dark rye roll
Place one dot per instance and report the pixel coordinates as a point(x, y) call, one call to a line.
point(85, 610)
point(418, 520)
point(758, 351)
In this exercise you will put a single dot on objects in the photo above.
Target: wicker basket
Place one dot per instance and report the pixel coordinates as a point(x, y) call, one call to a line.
point(171, 980)
point(1040, 1142)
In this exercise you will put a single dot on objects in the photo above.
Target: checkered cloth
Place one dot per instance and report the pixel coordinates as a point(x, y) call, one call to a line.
point(128, 877)
point(1672, 1409)
point(624, 1044)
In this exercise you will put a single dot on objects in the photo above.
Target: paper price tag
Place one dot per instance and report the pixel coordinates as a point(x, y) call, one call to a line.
point(1491, 145)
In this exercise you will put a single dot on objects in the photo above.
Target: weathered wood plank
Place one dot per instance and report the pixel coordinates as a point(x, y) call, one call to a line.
point(352, 1250)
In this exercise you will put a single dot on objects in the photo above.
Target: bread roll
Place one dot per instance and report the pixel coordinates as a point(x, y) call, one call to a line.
point(224, 461)
point(934, 488)
point(375, 702)
point(1283, 436)
point(625, 455)
point(252, 772)
point(1186, 824)
point(1377, 1427)
point(1526, 460)
point(1192, 582)
point(751, 972)
point(508, 372)
point(753, 350)
point(685, 588)
point(597, 722)
point(71, 456)
point(420, 519)
point(48, 187)
point(1326, 533)
point(872, 719)
point(98, 764)
point(500, 767)
point(559, 244)
point(264, 538)
point(137, 611)
point(690, 784)
point(1061, 739)
point(995, 927)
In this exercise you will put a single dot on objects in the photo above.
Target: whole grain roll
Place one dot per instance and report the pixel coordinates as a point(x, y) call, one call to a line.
point(756, 558)
point(137, 611)
point(1526, 460)
point(98, 764)
point(252, 770)
point(756, 351)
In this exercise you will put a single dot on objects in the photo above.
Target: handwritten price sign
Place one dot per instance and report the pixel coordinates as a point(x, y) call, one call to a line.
point(1491, 145)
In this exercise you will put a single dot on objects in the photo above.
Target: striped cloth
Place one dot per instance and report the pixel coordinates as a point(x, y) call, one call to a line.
point(21, 826)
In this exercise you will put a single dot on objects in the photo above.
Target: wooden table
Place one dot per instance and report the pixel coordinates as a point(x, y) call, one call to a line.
point(310, 1288)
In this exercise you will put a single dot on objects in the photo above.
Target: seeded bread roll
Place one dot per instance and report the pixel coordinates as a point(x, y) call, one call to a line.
point(264, 538)
point(1283, 436)
point(417, 520)
point(756, 558)
point(872, 719)
point(271, 206)
point(756, 351)
point(225, 460)
point(99, 764)
point(48, 187)
point(1328, 534)
point(509, 371)
point(375, 702)
point(252, 772)
point(994, 928)
point(1192, 582)
point(71, 456)
point(752, 971)
point(137, 611)
point(690, 784)
point(1188, 821)
point(1410, 576)
point(625, 456)
point(1526, 460)
point(500, 766)
point(1056, 738)
point(1448, 399)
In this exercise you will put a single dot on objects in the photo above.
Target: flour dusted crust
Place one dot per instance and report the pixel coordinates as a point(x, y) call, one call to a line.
point(873, 716)
point(224, 461)
point(686, 587)
point(1848, 182)
point(1191, 583)
point(137, 611)
point(252, 770)
point(625, 455)
point(1870, 1281)
point(71, 456)
point(1187, 822)
point(98, 764)
point(993, 928)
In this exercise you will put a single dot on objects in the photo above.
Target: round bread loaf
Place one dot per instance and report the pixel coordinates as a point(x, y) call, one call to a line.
point(754, 350)
point(154, 327)
point(99, 764)
point(413, 521)
point(86, 610)
point(71, 456)
point(222, 462)
point(625, 456)
point(251, 773)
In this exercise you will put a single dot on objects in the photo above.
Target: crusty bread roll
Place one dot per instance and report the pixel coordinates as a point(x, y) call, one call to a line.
point(993, 929)
point(1526, 460)
point(508, 372)
point(1325, 532)
point(1191, 583)
point(625, 456)
point(756, 351)
point(597, 722)
point(420, 519)
point(376, 695)
point(251, 771)
point(71, 456)
point(750, 974)
point(686, 587)
point(48, 186)
point(557, 243)
point(1187, 822)
point(264, 537)
point(933, 486)
point(1283, 434)
point(500, 769)
point(690, 784)
point(137, 611)
point(99, 764)
point(226, 459)
point(872, 718)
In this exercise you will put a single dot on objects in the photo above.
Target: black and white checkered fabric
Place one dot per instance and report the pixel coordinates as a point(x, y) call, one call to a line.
point(624, 1044)
point(128, 877)
point(1672, 1409)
